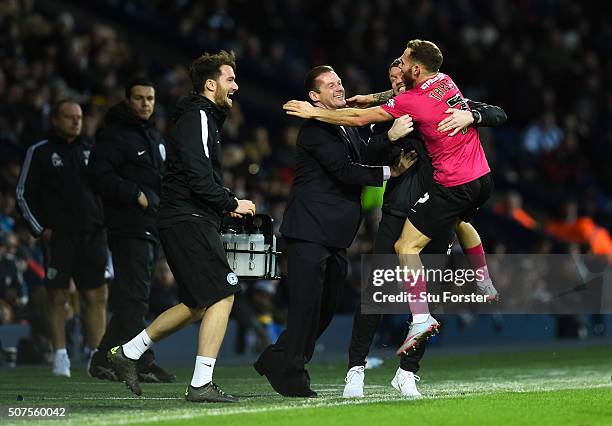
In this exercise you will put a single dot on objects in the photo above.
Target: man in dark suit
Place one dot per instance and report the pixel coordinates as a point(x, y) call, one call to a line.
point(320, 222)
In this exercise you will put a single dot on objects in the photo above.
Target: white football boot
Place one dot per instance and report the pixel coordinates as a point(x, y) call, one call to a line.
point(417, 333)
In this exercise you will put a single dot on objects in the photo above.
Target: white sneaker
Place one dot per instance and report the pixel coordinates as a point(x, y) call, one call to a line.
point(354, 382)
point(61, 365)
point(405, 383)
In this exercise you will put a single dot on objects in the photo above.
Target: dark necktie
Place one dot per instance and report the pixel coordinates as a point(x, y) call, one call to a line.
point(354, 143)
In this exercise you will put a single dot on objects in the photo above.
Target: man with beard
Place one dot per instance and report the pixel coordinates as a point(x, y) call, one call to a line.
point(125, 168)
point(400, 194)
point(193, 203)
point(321, 220)
point(462, 178)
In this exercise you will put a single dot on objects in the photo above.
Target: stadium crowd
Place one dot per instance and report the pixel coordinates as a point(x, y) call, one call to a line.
point(543, 62)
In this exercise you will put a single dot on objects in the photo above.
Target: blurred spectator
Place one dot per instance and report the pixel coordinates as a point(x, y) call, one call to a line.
point(543, 136)
point(512, 207)
point(580, 229)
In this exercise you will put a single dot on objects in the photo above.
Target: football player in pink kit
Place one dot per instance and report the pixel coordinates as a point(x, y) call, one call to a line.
point(462, 179)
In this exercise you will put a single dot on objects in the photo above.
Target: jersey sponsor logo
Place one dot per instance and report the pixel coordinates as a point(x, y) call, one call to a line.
point(162, 151)
point(51, 273)
point(391, 103)
point(450, 249)
point(141, 153)
point(56, 160)
point(232, 278)
point(86, 154)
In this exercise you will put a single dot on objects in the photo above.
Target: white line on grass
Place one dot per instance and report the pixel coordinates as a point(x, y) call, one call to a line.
point(467, 391)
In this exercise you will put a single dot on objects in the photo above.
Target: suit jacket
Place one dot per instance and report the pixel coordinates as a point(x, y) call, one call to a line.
point(325, 201)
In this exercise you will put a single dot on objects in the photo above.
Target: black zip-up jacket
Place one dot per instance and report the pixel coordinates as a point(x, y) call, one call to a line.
point(193, 185)
point(53, 191)
point(403, 191)
point(128, 158)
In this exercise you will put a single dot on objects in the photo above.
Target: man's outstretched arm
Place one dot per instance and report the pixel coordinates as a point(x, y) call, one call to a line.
point(340, 117)
point(373, 99)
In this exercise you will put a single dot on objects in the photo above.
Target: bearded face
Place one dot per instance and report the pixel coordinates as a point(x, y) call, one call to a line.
point(408, 78)
point(226, 86)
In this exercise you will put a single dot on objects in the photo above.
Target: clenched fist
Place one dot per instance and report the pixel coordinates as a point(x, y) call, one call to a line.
point(245, 207)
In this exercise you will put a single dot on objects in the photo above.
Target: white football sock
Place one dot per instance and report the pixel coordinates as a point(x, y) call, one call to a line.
point(203, 371)
point(137, 346)
point(419, 318)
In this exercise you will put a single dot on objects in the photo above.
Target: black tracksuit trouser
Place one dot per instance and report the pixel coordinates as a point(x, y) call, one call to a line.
point(365, 325)
point(133, 264)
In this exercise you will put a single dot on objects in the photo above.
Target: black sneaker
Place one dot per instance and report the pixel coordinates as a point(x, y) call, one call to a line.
point(102, 373)
point(125, 369)
point(155, 374)
point(210, 392)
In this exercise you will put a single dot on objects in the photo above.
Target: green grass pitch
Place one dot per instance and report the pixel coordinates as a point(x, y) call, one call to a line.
point(562, 387)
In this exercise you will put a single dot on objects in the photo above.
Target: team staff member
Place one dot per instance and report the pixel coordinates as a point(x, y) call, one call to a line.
point(193, 203)
point(401, 193)
point(321, 220)
point(55, 199)
point(126, 169)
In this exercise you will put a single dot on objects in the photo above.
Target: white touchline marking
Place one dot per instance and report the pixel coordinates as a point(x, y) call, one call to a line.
point(469, 390)
point(119, 398)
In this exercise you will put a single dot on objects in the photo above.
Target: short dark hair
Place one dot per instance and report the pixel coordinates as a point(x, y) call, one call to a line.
point(139, 80)
point(396, 63)
point(57, 106)
point(426, 53)
point(310, 81)
point(208, 67)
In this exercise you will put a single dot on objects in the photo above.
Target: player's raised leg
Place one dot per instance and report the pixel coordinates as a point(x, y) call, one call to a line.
point(123, 358)
point(472, 247)
point(408, 246)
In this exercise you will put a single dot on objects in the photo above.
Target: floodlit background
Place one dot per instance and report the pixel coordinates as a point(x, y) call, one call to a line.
point(547, 63)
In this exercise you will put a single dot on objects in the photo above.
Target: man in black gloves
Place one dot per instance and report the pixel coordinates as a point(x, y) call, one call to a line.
point(401, 194)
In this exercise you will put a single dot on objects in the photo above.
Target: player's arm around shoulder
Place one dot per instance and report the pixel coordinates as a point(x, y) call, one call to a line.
point(354, 117)
point(490, 115)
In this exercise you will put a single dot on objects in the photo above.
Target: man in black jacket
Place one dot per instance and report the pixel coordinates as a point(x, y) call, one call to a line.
point(400, 194)
point(321, 220)
point(58, 205)
point(193, 203)
point(126, 169)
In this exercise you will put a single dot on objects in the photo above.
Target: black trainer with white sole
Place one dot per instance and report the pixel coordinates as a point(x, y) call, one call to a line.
point(210, 392)
point(153, 373)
